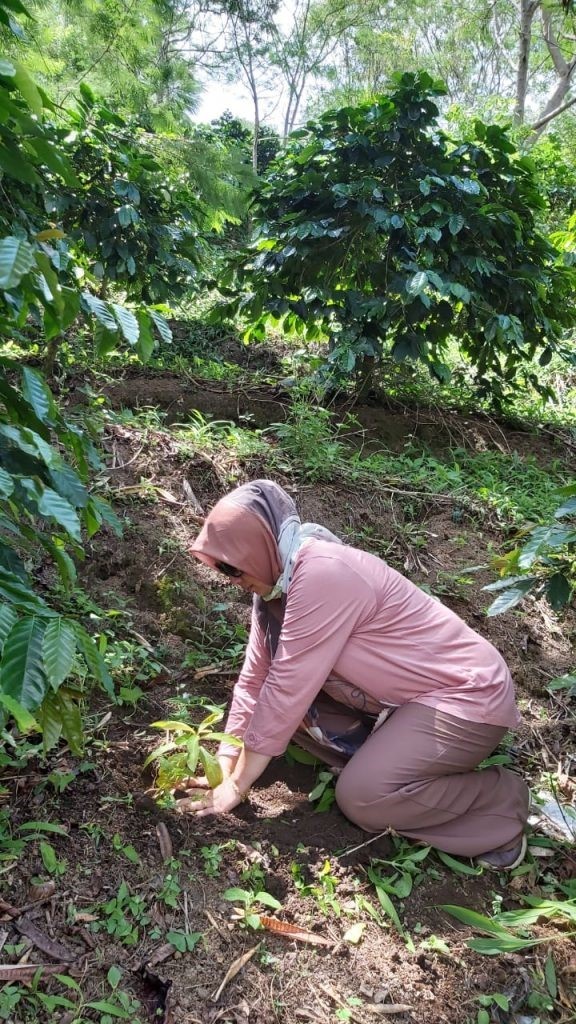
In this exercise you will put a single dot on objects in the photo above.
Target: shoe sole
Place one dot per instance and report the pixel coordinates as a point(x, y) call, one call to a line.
point(509, 867)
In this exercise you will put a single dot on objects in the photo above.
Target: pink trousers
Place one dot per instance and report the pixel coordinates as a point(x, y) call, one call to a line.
point(416, 774)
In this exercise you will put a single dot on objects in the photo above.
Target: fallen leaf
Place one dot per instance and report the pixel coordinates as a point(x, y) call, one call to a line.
point(85, 917)
point(42, 891)
point(165, 842)
point(355, 933)
point(160, 954)
point(54, 949)
point(387, 1008)
point(233, 970)
point(293, 931)
point(26, 972)
point(167, 495)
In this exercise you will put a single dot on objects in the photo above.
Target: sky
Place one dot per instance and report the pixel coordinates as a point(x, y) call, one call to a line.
point(220, 96)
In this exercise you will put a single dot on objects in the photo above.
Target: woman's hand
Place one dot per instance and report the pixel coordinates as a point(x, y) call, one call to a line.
point(227, 764)
point(220, 800)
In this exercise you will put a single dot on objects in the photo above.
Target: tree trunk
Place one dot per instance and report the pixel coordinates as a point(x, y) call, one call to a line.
point(527, 12)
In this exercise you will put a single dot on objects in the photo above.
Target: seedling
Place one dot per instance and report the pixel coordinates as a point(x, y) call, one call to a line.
point(246, 915)
point(185, 749)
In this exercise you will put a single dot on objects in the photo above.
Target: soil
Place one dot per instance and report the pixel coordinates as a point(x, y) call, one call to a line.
point(277, 836)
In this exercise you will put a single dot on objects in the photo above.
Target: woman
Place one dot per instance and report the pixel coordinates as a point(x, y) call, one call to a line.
point(359, 665)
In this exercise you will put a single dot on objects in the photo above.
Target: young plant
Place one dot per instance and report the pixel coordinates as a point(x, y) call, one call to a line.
point(247, 914)
point(178, 757)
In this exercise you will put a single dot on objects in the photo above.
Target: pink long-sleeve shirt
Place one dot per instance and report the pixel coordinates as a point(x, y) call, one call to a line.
point(349, 614)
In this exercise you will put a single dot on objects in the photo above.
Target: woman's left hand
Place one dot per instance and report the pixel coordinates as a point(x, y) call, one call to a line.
point(216, 801)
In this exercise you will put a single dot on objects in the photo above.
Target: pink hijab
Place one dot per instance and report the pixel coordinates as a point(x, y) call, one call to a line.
point(243, 529)
point(256, 528)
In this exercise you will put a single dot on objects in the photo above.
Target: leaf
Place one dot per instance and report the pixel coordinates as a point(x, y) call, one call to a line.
point(43, 826)
point(94, 659)
point(456, 223)
point(29, 90)
point(128, 323)
point(37, 394)
point(53, 506)
point(471, 917)
point(21, 668)
point(8, 618)
point(174, 726)
point(114, 976)
point(178, 940)
point(146, 343)
point(235, 894)
point(268, 900)
point(19, 168)
point(161, 326)
point(110, 1008)
point(558, 591)
point(49, 858)
point(384, 900)
point(510, 598)
point(101, 311)
point(6, 484)
point(211, 766)
point(417, 283)
point(16, 260)
point(235, 967)
point(24, 720)
point(13, 590)
point(458, 865)
point(550, 976)
point(354, 933)
point(48, 716)
point(59, 648)
point(71, 719)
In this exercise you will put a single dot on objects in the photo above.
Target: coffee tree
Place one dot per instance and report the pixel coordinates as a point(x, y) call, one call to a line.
point(379, 233)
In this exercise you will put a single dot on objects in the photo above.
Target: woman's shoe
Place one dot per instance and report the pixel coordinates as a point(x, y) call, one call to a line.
point(504, 860)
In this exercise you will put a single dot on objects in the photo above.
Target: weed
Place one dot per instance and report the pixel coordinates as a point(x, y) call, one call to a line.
point(324, 791)
point(170, 890)
point(212, 857)
point(323, 891)
point(486, 1001)
point(122, 917)
point(126, 849)
point(184, 942)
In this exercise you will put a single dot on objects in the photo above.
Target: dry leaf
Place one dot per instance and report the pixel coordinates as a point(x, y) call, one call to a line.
point(54, 949)
point(167, 496)
point(164, 841)
point(42, 891)
point(161, 954)
point(26, 972)
point(233, 970)
point(387, 1008)
point(84, 917)
point(293, 931)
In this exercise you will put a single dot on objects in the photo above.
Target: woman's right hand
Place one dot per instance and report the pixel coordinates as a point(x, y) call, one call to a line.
point(227, 764)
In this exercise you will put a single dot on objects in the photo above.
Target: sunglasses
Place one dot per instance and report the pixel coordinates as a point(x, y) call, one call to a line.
point(229, 570)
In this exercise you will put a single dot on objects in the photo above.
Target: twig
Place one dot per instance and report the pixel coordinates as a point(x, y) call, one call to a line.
point(352, 849)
